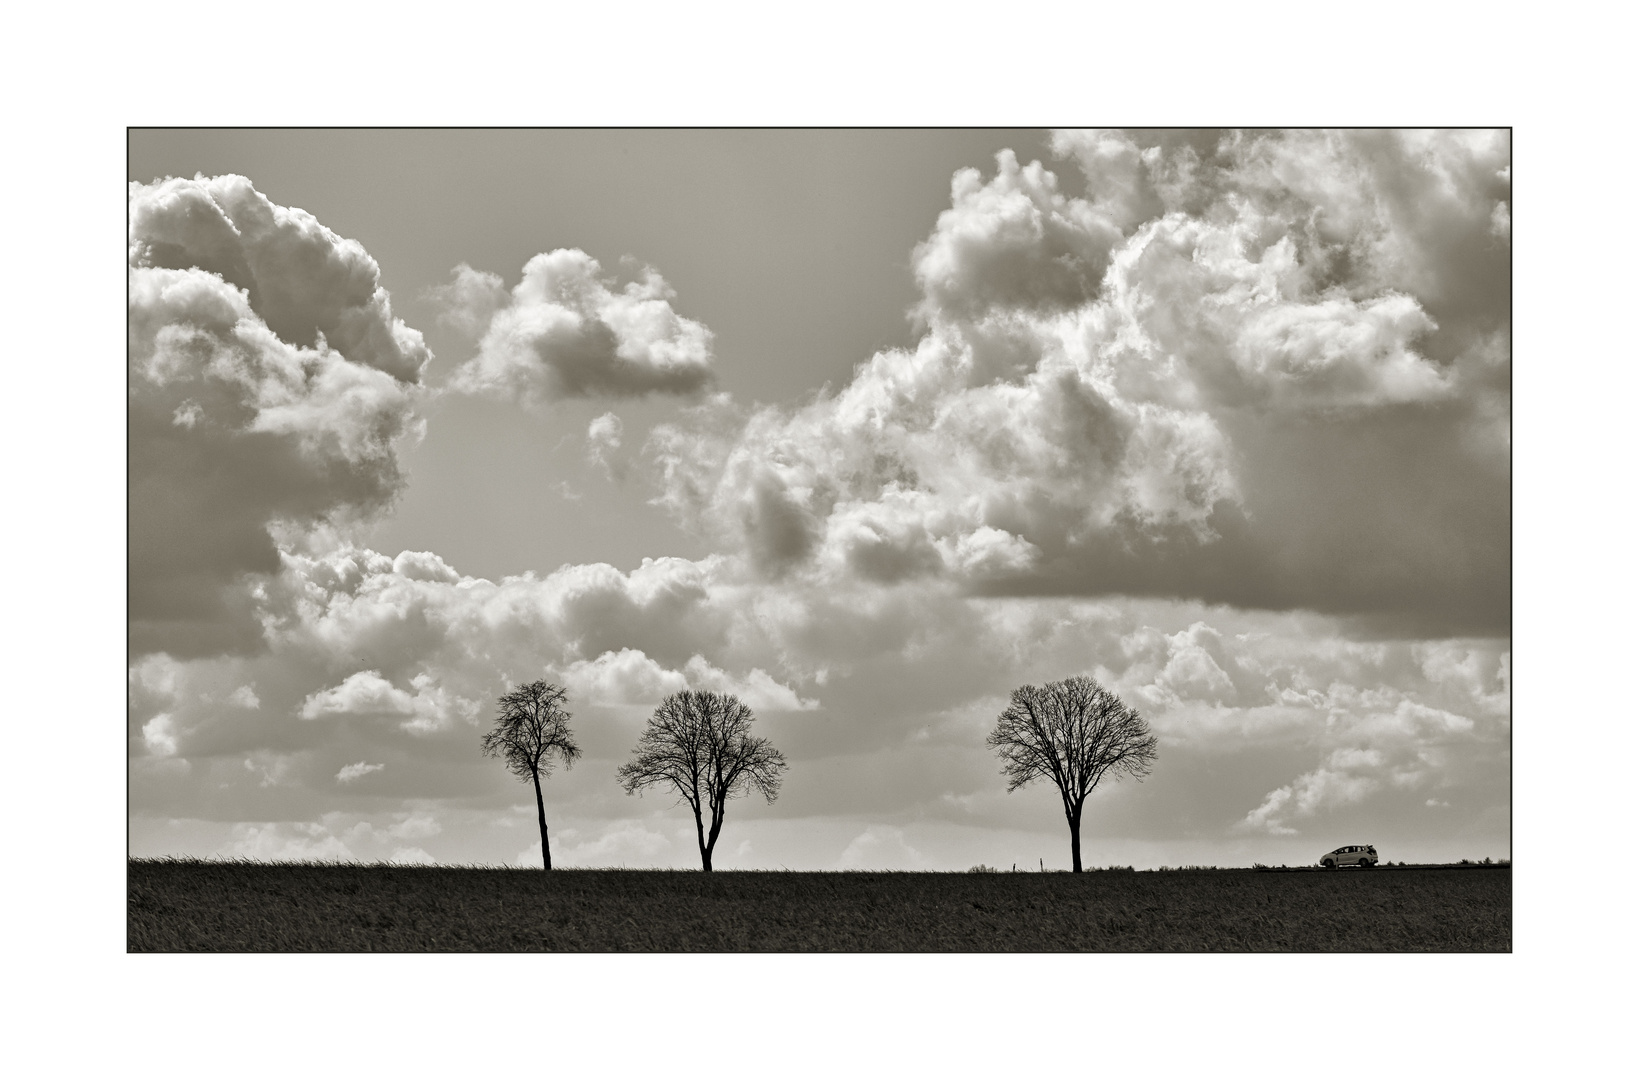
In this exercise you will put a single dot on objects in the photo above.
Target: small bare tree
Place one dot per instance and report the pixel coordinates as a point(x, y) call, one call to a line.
point(699, 742)
point(531, 730)
point(1074, 733)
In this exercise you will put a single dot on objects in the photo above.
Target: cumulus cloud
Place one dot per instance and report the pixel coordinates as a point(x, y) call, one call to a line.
point(424, 566)
point(568, 330)
point(1266, 370)
point(621, 844)
point(1012, 242)
point(159, 735)
point(366, 693)
point(358, 603)
point(335, 836)
point(277, 842)
point(395, 658)
point(603, 443)
point(1401, 733)
point(631, 678)
point(881, 847)
point(302, 280)
point(627, 677)
point(414, 826)
point(470, 299)
point(268, 382)
point(757, 688)
point(245, 698)
point(1336, 784)
point(349, 773)
point(362, 693)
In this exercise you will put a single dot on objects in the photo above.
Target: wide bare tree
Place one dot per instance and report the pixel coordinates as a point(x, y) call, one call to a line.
point(1074, 733)
point(531, 731)
point(699, 743)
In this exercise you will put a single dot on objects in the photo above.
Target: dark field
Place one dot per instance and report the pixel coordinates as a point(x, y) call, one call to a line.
point(189, 906)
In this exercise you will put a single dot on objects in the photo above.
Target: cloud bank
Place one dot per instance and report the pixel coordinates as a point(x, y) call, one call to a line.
point(380, 674)
point(1270, 372)
point(268, 381)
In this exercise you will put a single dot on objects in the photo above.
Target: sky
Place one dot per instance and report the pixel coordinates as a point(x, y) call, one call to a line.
point(865, 427)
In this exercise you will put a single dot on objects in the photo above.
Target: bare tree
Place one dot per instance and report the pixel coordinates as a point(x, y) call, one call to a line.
point(531, 730)
point(699, 742)
point(1074, 733)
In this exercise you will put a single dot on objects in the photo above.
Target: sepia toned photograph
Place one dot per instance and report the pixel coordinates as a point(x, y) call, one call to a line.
point(819, 540)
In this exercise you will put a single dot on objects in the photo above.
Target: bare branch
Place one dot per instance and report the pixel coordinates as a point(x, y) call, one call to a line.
point(1073, 733)
point(532, 730)
point(699, 743)
point(530, 735)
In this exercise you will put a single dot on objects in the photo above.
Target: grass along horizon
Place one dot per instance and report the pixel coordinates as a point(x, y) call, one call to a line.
point(190, 905)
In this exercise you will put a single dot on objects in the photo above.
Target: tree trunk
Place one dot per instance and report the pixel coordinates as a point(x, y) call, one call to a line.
point(540, 812)
point(700, 838)
point(711, 837)
point(1075, 842)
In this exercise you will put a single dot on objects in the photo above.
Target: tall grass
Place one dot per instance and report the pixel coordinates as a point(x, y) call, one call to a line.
point(186, 906)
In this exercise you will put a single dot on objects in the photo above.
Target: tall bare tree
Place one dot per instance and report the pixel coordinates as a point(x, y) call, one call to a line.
point(1074, 733)
point(700, 743)
point(531, 730)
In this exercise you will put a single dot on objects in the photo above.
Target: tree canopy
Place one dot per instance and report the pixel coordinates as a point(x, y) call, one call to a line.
point(531, 733)
point(1074, 733)
point(699, 743)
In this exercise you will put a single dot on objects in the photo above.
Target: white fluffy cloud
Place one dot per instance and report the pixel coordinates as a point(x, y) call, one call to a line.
point(300, 278)
point(1013, 242)
point(336, 836)
point(365, 693)
point(569, 330)
point(348, 773)
point(631, 678)
point(159, 736)
point(398, 658)
point(603, 444)
point(276, 842)
point(268, 382)
point(627, 677)
point(1264, 376)
point(1401, 718)
point(362, 693)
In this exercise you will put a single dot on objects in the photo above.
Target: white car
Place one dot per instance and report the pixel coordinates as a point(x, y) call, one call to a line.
point(1361, 855)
